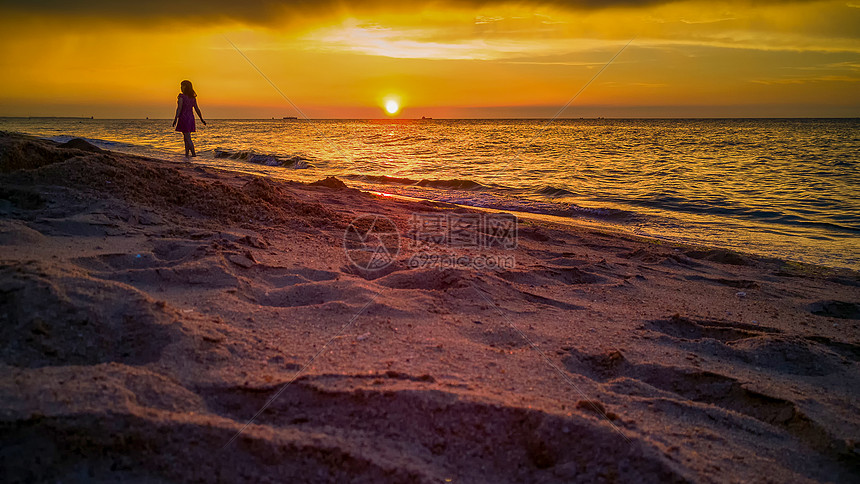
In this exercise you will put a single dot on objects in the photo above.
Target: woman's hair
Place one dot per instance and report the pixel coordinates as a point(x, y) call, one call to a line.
point(187, 89)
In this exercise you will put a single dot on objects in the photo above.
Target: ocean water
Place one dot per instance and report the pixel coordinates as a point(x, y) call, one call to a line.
point(782, 188)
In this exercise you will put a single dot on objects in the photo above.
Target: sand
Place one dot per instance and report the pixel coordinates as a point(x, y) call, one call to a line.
point(164, 322)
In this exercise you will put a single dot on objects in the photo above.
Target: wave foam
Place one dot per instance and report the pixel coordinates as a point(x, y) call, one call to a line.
point(295, 161)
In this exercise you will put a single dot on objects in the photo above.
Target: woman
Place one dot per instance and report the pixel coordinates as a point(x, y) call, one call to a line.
point(184, 120)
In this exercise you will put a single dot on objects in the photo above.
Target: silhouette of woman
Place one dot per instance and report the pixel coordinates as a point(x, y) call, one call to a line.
point(186, 104)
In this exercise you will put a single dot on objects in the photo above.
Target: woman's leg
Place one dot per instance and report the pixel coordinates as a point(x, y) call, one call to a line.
point(186, 136)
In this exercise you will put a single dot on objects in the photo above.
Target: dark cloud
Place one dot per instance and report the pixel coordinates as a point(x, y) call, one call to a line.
point(261, 11)
point(245, 10)
point(264, 12)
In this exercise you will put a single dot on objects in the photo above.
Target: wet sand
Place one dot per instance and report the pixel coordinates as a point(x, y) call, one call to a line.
point(168, 322)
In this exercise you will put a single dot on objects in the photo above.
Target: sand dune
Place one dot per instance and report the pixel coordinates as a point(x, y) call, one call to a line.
point(165, 322)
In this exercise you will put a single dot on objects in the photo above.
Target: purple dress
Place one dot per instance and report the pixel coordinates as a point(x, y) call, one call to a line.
point(185, 123)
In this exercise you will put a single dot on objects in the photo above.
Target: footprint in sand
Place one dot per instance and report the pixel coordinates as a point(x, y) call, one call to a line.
point(702, 387)
point(51, 316)
point(688, 329)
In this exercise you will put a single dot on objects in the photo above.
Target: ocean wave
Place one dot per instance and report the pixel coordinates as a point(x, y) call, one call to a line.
point(497, 200)
point(101, 143)
point(471, 193)
point(452, 184)
point(295, 162)
point(602, 213)
point(383, 179)
point(551, 191)
point(567, 210)
point(727, 208)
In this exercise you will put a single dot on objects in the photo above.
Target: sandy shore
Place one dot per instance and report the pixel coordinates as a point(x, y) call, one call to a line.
point(150, 310)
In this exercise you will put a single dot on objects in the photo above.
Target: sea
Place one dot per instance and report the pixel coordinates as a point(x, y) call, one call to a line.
point(784, 188)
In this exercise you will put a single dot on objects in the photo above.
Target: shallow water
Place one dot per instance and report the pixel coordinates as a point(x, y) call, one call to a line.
point(783, 188)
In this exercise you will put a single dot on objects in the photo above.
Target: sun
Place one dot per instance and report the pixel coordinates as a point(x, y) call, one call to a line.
point(392, 106)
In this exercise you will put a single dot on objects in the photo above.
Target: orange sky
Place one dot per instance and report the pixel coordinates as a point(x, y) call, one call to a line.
point(440, 59)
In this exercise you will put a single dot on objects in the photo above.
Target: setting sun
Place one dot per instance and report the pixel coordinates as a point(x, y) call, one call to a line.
point(392, 107)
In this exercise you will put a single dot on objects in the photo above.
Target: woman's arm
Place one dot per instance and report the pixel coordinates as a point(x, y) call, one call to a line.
point(178, 110)
point(198, 114)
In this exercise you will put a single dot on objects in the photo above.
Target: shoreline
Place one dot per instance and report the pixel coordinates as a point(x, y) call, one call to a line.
point(749, 236)
point(151, 309)
point(608, 229)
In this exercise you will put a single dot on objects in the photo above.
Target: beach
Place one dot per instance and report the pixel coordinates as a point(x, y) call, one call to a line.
point(781, 188)
point(172, 322)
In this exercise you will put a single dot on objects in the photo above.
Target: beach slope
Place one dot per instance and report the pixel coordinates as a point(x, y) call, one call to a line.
point(167, 322)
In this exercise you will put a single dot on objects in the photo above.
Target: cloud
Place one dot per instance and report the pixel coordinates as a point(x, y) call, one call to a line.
point(266, 12)
point(527, 37)
point(708, 21)
point(424, 43)
point(502, 30)
point(805, 80)
point(832, 66)
point(252, 11)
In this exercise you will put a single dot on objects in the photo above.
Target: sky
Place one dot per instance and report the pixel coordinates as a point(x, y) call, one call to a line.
point(441, 59)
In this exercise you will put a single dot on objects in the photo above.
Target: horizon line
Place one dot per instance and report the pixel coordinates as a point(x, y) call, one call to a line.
point(530, 118)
